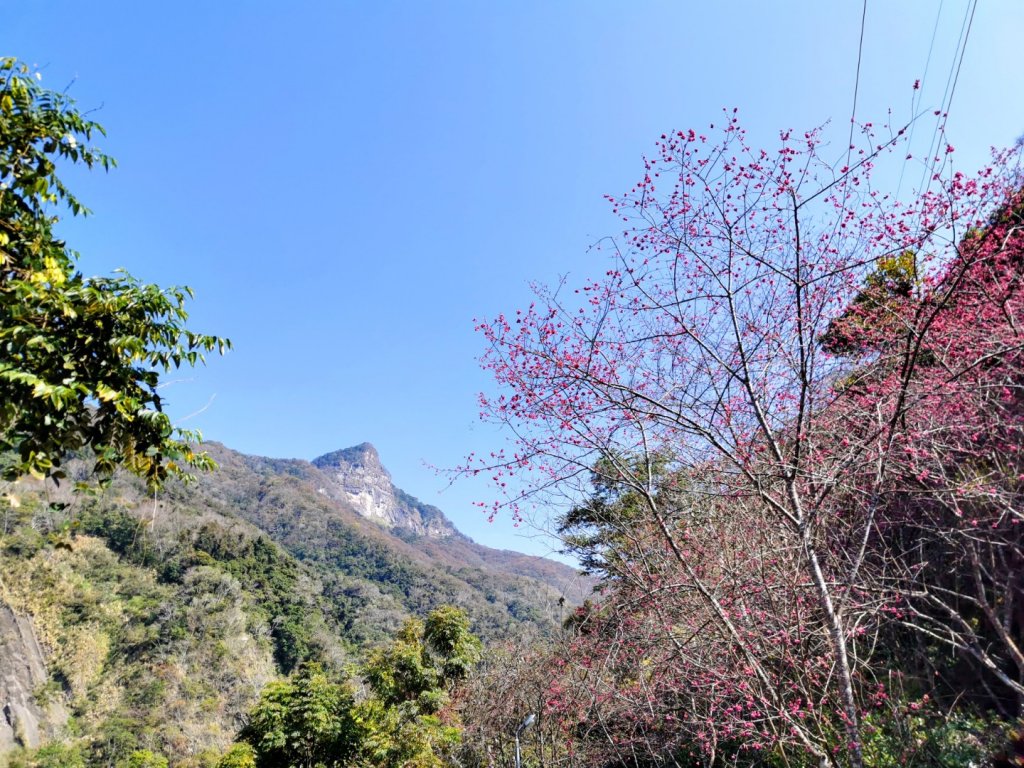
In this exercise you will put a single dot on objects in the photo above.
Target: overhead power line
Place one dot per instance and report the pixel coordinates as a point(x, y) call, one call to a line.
point(915, 102)
point(856, 81)
point(939, 132)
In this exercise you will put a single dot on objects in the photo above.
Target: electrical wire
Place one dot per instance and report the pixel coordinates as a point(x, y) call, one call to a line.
point(915, 102)
point(939, 132)
point(856, 82)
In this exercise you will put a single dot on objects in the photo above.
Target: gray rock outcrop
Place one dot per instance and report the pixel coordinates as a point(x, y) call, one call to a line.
point(24, 722)
point(357, 477)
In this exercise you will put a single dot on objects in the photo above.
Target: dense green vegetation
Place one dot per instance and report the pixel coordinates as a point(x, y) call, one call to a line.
point(374, 578)
point(313, 720)
point(165, 617)
point(142, 663)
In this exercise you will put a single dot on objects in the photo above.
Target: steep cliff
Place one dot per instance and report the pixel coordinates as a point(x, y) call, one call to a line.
point(24, 720)
point(358, 478)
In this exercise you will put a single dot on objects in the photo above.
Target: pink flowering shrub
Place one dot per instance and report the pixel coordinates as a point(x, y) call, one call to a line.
point(785, 421)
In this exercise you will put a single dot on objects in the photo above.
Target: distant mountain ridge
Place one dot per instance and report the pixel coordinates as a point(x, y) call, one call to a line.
point(344, 509)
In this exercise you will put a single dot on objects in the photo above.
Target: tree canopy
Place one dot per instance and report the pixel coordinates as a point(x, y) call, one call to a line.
point(81, 358)
point(313, 720)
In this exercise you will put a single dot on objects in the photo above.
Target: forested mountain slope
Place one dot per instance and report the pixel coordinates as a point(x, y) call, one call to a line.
point(131, 621)
point(382, 553)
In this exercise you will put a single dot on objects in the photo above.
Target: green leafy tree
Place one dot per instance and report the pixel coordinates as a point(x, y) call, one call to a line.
point(311, 721)
point(401, 672)
point(401, 737)
point(450, 645)
point(412, 680)
point(304, 722)
point(605, 532)
point(143, 758)
point(239, 756)
point(80, 357)
point(425, 660)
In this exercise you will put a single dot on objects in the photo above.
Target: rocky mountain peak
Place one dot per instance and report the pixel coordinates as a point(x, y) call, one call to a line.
point(362, 456)
point(358, 477)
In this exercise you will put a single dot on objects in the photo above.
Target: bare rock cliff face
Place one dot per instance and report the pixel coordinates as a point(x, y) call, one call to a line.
point(357, 477)
point(23, 722)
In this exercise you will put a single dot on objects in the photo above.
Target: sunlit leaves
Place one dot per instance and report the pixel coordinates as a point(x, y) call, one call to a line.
point(312, 720)
point(80, 358)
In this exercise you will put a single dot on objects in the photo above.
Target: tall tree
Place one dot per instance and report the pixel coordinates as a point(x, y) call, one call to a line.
point(311, 720)
point(80, 357)
point(304, 722)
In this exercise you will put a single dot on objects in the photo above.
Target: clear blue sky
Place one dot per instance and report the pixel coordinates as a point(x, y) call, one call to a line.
point(347, 185)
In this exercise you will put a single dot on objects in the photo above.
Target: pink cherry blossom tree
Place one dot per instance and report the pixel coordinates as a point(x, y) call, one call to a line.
point(733, 379)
